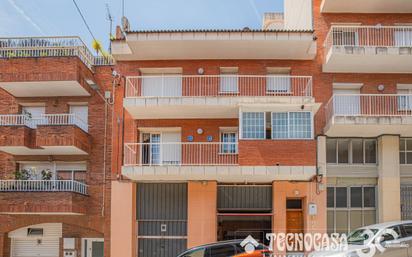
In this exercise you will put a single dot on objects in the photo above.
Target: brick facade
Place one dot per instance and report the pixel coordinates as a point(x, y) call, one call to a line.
point(94, 219)
point(121, 127)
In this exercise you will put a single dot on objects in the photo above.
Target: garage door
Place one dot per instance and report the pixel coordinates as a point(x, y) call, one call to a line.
point(45, 247)
point(406, 202)
point(161, 219)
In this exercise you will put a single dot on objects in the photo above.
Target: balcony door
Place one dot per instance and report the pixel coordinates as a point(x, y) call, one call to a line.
point(346, 102)
point(81, 112)
point(162, 85)
point(161, 148)
point(35, 113)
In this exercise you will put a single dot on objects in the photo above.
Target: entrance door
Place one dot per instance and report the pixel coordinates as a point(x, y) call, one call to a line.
point(294, 221)
point(93, 247)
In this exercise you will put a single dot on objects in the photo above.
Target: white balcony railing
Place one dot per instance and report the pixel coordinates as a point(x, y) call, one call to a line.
point(63, 119)
point(15, 120)
point(218, 85)
point(51, 47)
point(45, 119)
point(43, 186)
point(180, 154)
point(361, 39)
point(369, 105)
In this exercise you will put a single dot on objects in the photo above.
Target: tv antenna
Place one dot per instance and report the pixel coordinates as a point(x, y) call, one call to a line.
point(109, 17)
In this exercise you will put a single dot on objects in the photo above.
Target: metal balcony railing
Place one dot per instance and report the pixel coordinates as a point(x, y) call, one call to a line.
point(180, 154)
point(218, 85)
point(369, 105)
point(43, 186)
point(19, 47)
point(359, 39)
point(45, 119)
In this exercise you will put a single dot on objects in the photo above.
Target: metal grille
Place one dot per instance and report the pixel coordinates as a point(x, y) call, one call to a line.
point(406, 202)
point(161, 247)
point(244, 198)
point(161, 219)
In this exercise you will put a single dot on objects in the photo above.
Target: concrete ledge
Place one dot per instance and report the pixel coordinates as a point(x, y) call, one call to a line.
point(238, 174)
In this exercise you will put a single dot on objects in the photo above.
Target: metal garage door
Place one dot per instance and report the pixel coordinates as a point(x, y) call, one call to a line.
point(406, 202)
point(23, 247)
point(161, 219)
point(253, 198)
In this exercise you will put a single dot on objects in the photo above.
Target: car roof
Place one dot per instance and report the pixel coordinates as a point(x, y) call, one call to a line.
point(387, 224)
point(235, 241)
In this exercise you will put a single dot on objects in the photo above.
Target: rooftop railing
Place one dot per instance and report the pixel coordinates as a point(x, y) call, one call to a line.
point(361, 39)
point(218, 86)
point(369, 105)
point(180, 154)
point(43, 186)
point(20, 47)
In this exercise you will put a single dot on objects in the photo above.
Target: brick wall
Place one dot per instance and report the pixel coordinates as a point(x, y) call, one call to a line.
point(63, 136)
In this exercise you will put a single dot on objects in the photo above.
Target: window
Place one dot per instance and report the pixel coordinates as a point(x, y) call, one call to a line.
point(229, 142)
point(196, 253)
point(404, 99)
point(278, 80)
point(351, 151)
point(277, 125)
point(350, 208)
point(405, 151)
point(253, 125)
point(34, 232)
point(229, 80)
point(291, 125)
point(161, 82)
point(221, 251)
point(408, 229)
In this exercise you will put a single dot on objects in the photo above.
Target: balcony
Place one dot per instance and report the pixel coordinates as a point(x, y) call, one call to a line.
point(203, 161)
point(293, 43)
point(368, 115)
point(67, 46)
point(34, 76)
point(366, 6)
point(50, 134)
point(185, 96)
point(28, 196)
point(368, 49)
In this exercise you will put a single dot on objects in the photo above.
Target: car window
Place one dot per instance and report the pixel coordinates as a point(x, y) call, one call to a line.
point(389, 236)
point(221, 251)
point(195, 253)
point(408, 229)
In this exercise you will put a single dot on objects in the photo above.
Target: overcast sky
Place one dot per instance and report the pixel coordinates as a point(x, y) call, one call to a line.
point(60, 17)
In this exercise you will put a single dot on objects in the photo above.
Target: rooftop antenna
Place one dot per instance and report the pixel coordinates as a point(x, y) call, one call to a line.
point(110, 19)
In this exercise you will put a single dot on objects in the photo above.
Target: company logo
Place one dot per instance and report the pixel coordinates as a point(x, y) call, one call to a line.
point(249, 244)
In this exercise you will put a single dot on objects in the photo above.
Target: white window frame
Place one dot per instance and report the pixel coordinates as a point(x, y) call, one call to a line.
point(228, 131)
point(226, 72)
point(348, 207)
point(350, 152)
point(405, 151)
point(408, 99)
point(288, 130)
point(241, 125)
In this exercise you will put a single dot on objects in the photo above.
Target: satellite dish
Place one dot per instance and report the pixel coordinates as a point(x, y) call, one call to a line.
point(125, 24)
